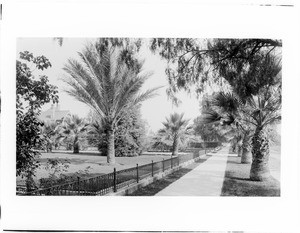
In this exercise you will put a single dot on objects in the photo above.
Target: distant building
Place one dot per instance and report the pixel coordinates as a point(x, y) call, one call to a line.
point(54, 114)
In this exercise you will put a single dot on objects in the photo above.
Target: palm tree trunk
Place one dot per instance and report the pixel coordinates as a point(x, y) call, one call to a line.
point(260, 151)
point(246, 156)
point(246, 153)
point(76, 145)
point(111, 146)
point(240, 147)
point(175, 145)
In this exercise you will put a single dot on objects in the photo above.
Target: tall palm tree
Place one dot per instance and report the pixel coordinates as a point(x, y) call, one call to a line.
point(108, 85)
point(175, 129)
point(252, 117)
point(266, 111)
point(74, 128)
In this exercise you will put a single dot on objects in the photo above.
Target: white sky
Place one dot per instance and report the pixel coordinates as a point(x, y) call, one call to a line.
point(154, 110)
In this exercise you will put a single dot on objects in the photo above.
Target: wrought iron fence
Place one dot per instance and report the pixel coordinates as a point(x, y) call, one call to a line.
point(101, 185)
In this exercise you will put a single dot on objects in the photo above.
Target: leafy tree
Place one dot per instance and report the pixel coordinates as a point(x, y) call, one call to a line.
point(195, 62)
point(32, 94)
point(129, 135)
point(74, 129)
point(161, 142)
point(108, 84)
point(208, 132)
point(175, 129)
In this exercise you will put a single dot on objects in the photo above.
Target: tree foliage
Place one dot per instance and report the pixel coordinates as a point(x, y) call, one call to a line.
point(129, 135)
point(74, 129)
point(252, 112)
point(176, 132)
point(209, 132)
point(108, 84)
point(194, 62)
point(50, 133)
point(32, 94)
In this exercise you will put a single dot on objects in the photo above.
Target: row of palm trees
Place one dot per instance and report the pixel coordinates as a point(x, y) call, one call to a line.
point(71, 132)
point(250, 120)
point(110, 86)
point(74, 132)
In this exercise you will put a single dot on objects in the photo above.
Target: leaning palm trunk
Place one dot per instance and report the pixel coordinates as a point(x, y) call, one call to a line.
point(175, 145)
point(246, 152)
point(111, 146)
point(260, 151)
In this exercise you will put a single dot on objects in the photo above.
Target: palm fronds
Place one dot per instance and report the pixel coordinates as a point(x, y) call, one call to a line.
point(105, 83)
point(109, 81)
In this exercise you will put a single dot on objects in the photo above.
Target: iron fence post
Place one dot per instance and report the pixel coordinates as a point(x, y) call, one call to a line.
point(152, 168)
point(115, 179)
point(171, 161)
point(163, 165)
point(137, 172)
point(78, 189)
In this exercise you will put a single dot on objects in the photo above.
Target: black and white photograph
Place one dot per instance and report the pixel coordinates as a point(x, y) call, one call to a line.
point(150, 116)
point(145, 117)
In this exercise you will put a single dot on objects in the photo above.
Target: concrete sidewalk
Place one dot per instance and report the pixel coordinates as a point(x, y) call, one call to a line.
point(205, 180)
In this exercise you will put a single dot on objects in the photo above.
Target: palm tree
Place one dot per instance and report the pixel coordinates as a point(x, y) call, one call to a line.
point(266, 111)
point(74, 128)
point(108, 85)
point(226, 108)
point(251, 117)
point(176, 130)
point(50, 134)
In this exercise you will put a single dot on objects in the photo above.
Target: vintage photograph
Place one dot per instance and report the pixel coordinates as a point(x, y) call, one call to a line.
point(148, 116)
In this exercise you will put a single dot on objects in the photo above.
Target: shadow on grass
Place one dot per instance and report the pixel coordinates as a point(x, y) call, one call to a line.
point(85, 153)
point(157, 186)
point(237, 181)
point(238, 178)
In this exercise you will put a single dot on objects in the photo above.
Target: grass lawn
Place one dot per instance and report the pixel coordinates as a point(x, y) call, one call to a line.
point(237, 182)
point(96, 163)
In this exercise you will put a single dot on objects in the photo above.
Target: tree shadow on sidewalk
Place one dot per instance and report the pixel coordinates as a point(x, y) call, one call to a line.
point(157, 186)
